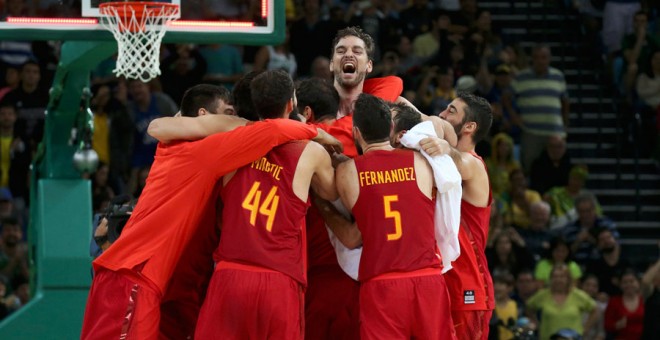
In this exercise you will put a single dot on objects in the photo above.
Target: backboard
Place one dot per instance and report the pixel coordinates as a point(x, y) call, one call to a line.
point(251, 22)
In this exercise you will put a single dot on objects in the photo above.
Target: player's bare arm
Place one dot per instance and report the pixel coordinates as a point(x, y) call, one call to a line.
point(344, 229)
point(168, 129)
point(347, 183)
point(315, 170)
point(348, 189)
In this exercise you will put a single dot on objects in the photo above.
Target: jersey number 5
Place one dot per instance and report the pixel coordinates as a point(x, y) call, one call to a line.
point(268, 207)
point(389, 213)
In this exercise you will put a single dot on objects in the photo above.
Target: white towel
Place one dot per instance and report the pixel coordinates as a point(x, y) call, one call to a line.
point(448, 201)
point(349, 259)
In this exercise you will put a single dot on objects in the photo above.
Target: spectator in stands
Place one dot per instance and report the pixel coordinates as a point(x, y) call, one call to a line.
point(561, 306)
point(508, 253)
point(436, 89)
point(368, 16)
point(417, 18)
point(30, 100)
point(482, 40)
point(321, 69)
point(506, 309)
point(558, 254)
point(581, 232)
point(514, 56)
point(276, 58)
point(4, 305)
point(144, 107)
point(617, 22)
point(651, 290)
point(224, 64)
point(7, 208)
point(562, 198)
point(525, 287)
point(648, 89)
point(551, 168)
point(624, 315)
point(409, 63)
point(591, 18)
point(142, 175)
point(182, 68)
point(589, 284)
point(312, 37)
point(20, 294)
point(637, 48)
point(15, 53)
point(610, 263)
point(111, 141)
point(537, 237)
point(493, 85)
point(542, 104)
point(101, 186)
point(388, 66)
point(501, 163)
point(427, 44)
point(13, 250)
point(518, 200)
point(12, 80)
point(15, 157)
point(465, 18)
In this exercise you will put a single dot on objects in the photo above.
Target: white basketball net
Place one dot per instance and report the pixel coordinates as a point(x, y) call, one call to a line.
point(138, 36)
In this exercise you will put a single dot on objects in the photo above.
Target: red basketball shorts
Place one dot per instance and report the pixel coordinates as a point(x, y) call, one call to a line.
point(331, 305)
point(404, 308)
point(119, 307)
point(471, 324)
point(251, 304)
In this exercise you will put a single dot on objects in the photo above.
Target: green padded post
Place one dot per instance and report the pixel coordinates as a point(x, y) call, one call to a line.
point(60, 221)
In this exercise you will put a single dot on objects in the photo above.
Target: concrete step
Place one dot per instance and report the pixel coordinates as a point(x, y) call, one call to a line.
point(627, 206)
point(624, 165)
point(621, 181)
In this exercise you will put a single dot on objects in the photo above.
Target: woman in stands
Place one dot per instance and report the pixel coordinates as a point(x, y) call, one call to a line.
point(624, 315)
point(561, 306)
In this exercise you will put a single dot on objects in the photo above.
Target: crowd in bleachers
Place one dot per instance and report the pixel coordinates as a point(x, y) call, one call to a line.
point(554, 256)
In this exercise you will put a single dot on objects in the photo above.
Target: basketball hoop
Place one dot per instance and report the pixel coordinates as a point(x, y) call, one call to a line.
point(139, 28)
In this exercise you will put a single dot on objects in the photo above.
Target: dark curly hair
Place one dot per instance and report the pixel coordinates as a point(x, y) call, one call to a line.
point(271, 91)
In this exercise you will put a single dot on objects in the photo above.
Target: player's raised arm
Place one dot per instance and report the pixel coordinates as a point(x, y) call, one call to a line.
point(167, 129)
point(224, 152)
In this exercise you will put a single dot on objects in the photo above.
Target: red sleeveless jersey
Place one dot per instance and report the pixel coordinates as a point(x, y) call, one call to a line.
point(393, 215)
point(263, 220)
point(469, 282)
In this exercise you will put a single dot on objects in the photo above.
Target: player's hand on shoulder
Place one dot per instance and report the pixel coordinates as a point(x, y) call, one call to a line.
point(338, 158)
point(331, 144)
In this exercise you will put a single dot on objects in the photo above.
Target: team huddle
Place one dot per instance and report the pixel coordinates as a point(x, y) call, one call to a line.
point(327, 229)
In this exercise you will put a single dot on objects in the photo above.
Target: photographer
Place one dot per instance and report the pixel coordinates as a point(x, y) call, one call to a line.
point(109, 225)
